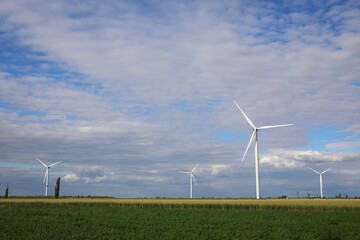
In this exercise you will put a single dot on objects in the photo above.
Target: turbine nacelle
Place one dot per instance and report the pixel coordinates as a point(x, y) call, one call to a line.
point(319, 172)
point(48, 167)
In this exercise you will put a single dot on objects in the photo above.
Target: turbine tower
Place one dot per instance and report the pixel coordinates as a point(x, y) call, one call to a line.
point(321, 184)
point(191, 174)
point(255, 136)
point(46, 177)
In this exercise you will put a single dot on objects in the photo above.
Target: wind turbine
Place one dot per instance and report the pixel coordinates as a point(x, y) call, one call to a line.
point(46, 177)
point(191, 178)
point(255, 136)
point(321, 184)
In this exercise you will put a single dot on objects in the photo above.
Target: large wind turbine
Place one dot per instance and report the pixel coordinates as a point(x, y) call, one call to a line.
point(255, 136)
point(46, 177)
point(191, 178)
point(321, 184)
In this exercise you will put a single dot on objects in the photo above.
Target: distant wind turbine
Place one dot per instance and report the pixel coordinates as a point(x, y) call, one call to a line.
point(46, 177)
point(191, 178)
point(321, 183)
point(255, 136)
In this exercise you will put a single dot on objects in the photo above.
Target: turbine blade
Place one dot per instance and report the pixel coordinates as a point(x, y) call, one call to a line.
point(247, 119)
point(326, 170)
point(54, 164)
point(274, 126)
point(313, 170)
point(194, 179)
point(41, 162)
point(184, 172)
point(251, 140)
point(46, 173)
point(195, 167)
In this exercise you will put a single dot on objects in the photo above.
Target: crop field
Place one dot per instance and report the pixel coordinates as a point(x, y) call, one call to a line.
point(179, 219)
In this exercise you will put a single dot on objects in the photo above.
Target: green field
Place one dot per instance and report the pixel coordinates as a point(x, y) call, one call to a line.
point(178, 219)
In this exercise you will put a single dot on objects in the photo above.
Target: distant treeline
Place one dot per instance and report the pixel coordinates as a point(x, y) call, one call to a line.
point(61, 197)
point(95, 197)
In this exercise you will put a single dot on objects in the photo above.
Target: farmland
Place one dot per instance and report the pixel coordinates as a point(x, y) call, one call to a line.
point(179, 219)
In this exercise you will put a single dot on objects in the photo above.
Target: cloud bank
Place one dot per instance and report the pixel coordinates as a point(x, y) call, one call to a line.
point(128, 93)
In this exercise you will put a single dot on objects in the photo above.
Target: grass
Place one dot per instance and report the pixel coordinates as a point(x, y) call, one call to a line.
point(179, 219)
point(246, 204)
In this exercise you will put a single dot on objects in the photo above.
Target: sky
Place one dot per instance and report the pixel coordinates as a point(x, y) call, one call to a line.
point(128, 93)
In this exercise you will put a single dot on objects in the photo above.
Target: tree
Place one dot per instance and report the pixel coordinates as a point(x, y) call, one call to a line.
point(57, 187)
point(338, 196)
point(7, 191)
point(297, 194)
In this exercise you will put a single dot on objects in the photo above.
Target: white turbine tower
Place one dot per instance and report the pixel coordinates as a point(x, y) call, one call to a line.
point(191, 178)
point(321, 184)
point(46, 177)
point(255, 136)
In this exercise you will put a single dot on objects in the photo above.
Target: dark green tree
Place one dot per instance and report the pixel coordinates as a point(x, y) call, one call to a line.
point(7, 191)
point(338, 196)
point(57, 187)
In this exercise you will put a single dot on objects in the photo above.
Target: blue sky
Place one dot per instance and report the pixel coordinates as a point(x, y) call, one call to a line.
point(128, 93)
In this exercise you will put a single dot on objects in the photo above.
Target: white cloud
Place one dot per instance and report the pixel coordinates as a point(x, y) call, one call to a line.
point(76, 178)
point(355, 128)
point(55, 117)
point(221, 170)
point(70, 178)
point(343, 145)
point(148, 179)
point(88, 174)
point(296, 159)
